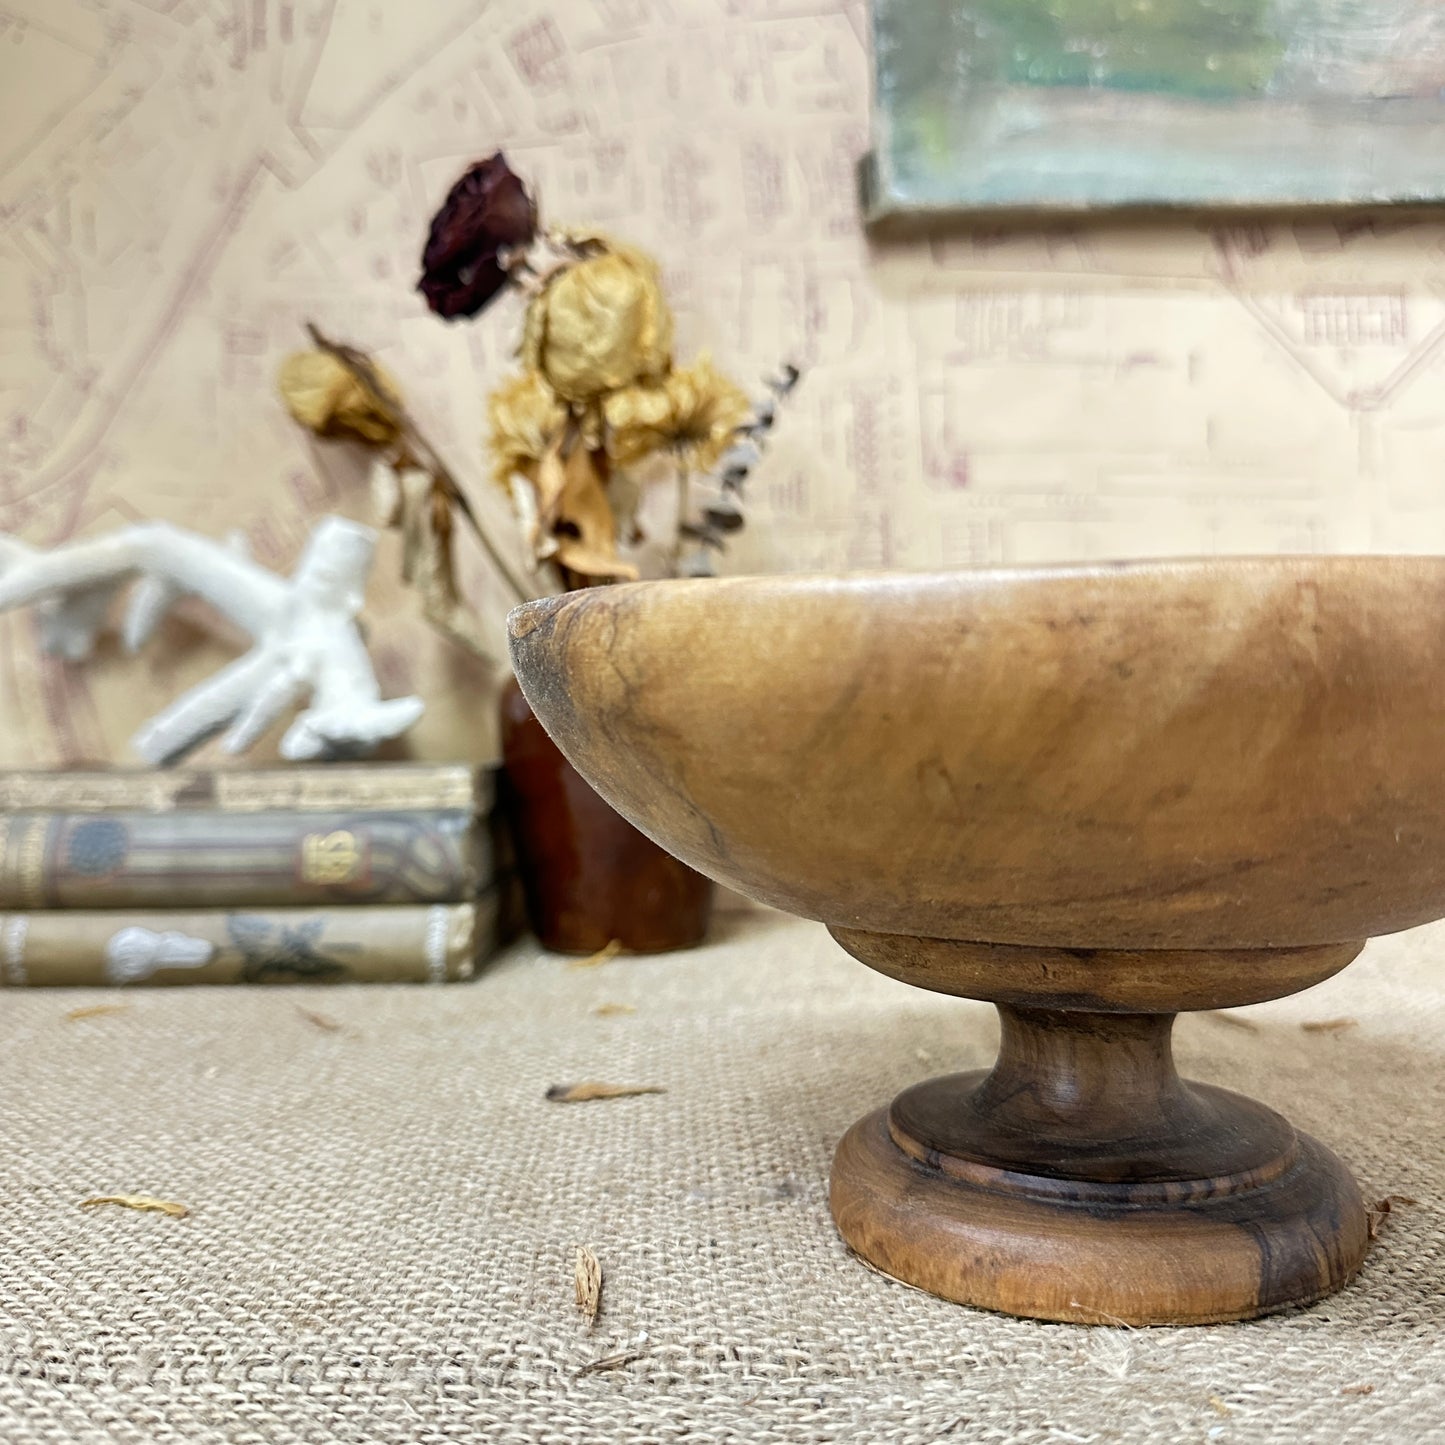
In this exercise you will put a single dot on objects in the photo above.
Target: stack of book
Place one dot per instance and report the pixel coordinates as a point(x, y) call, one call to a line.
point(332, 873)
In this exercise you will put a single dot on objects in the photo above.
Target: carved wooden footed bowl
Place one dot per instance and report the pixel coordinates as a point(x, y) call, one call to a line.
point(1093, 796)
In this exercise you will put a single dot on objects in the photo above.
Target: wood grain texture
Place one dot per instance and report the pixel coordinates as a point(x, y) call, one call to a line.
point(1231, 753)
point(1093, 796)
point(1115, 980)
point(1083, 1179)
point(1290, 1242)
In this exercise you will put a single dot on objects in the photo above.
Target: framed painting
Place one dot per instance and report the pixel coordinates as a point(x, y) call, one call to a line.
point(1076, 104)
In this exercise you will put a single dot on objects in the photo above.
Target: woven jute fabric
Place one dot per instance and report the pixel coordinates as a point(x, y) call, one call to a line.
point(384, 1214)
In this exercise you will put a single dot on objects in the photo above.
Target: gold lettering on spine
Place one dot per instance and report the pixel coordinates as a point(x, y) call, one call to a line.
point(330, 857)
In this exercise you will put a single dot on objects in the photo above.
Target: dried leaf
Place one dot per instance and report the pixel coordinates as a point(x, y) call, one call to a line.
point(615, 1361)
point(581, 1093)
point(327, 397)
point(588, 1279)
point(571, 517)
point(583, 525)
point(96, 1010)
point(605, 954)
point(412, 449)
point(1357, 1390)
point(611, 1010)
point(724, 518)
point(1233, 1020)
point(702, 532)
point(1382, 1209)
point(140, 1201)
point(327, 1025)
point(527, 421)
point(697, 563)
point(600, 323)
point(386, 496)
point(550, 483)
point(1330, 1026)
point(763, 418)
point(428, 564)
point(785, 380)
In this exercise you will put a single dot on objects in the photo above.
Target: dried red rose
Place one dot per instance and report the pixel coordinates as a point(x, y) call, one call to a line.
point(487, 210)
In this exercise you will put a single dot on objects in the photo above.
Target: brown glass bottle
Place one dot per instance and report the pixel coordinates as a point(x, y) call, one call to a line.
point(590, 877)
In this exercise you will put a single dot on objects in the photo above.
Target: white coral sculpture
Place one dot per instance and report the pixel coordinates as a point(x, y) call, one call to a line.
point(307, 646)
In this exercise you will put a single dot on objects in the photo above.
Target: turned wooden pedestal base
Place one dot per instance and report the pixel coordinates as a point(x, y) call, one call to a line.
point(1149, 787)
point(1082, 1179)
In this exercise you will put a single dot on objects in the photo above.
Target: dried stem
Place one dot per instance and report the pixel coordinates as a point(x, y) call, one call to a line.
point(417, 450)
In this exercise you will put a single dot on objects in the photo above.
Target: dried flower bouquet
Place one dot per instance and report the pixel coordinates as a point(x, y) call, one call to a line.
point(597, 398)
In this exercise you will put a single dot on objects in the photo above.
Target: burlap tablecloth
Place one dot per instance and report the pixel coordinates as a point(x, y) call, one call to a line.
point(380, 1247)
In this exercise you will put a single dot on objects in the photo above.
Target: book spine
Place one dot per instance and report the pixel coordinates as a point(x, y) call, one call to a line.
point(326, 788)
point(232, 860)
point(439, 943)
